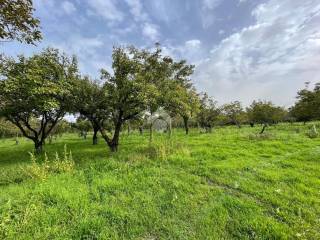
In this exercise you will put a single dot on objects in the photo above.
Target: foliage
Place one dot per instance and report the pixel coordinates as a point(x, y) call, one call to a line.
point(307, 107)
point(234, 113)
point(35, 92)
point(124, 93)
point(89, 100)
point(17, 21)
point(7, 129)
point(208, 112)
point(265, 112)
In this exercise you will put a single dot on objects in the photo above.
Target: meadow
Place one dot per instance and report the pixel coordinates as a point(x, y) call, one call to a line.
point(228, 184)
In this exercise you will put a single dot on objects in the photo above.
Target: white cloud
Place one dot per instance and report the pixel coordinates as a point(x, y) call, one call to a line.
point(211, 4)
point(107, 9)
point(151, 31)
point(268, 60)
point(136, 9)
point(191, 50)
point(195, 43)
point(68, 7)
point(207, 12)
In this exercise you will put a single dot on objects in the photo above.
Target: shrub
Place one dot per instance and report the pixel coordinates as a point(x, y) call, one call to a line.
point(58, 165)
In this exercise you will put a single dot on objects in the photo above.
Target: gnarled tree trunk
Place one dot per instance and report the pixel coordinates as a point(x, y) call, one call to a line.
point(114, 142)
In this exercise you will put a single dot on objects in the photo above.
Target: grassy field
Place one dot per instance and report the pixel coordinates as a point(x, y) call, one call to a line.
point(229, 184)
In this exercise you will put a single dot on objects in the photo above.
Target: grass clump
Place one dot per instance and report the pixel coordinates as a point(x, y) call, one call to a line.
point(42, 170)
point(261, 136)
point(313, 132)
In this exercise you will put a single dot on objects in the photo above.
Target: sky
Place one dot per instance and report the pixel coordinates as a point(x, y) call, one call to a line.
point(242, 49)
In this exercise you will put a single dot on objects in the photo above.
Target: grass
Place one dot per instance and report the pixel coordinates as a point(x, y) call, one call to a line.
point(230, 184)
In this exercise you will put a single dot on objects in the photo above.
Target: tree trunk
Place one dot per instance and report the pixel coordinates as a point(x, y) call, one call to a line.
point(129, 129)
point(113, 146)
point(263, 128)
point(114, 142)
point(38, 146)
point(151, 132)
point(95, 136)
point(186, 126)
point(170, 127)
point(141, 130)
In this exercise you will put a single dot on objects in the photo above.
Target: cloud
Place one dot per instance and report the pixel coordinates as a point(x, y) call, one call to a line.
point(90, 52)
point(191, 50)
point(68, 7)
point(210, 4)
point(194, 44)
point(151, 31)
point(268, 60)
point(136, 9)
point(106, 9)
point(208, 16)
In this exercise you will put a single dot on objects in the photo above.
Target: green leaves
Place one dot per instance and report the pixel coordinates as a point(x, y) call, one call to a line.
point(265, 112)
point(17, 21)
point(39, 87)
point(307, 107)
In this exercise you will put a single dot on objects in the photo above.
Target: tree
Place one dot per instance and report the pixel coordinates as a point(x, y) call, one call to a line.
point(208, 113)
point(7, 129)
point(35, 92)
point(125, 93)
point(234, 112)
point(83, 126)
point(190, 108)
point(179, 96)
point(307, 107)
point(265, 113)
point(61, 127)
point(167, 84)
point(17, 21)
point(153, 72)
point(91, 102)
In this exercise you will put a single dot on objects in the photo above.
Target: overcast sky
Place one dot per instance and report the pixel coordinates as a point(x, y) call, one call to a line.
point(243, 49)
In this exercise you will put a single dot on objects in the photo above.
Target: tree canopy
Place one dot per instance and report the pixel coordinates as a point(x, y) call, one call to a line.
point(17, 21)
point(307, 107)
point(35, 92)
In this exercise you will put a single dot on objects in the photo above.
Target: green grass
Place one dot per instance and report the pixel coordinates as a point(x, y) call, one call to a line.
point(229, 184)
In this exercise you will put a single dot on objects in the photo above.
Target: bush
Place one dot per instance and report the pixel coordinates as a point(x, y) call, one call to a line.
point(58, 165)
